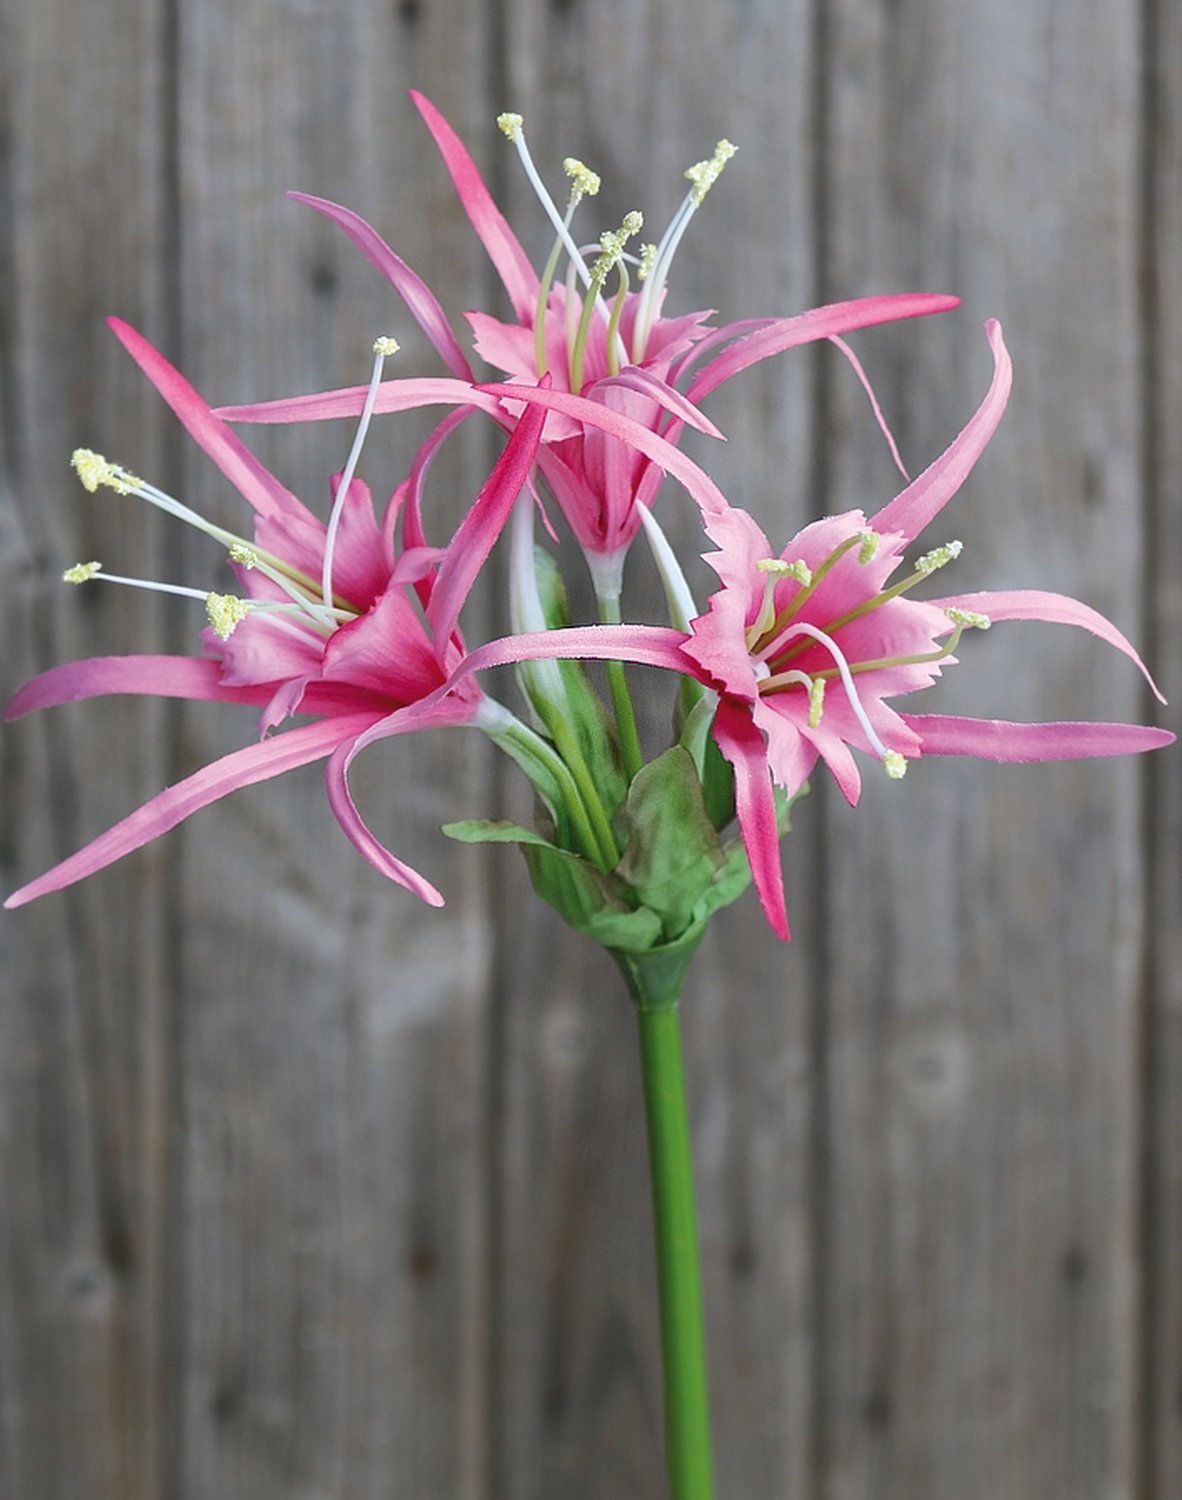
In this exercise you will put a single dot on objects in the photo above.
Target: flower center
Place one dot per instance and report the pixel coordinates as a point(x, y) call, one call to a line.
point(779, 637)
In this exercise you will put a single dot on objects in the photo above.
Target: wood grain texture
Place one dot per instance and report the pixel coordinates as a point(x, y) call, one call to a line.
point(314, 1194)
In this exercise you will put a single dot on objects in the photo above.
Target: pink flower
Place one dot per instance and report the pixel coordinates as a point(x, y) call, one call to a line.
point(331, 622)
point(640, 375)
point(805, 649)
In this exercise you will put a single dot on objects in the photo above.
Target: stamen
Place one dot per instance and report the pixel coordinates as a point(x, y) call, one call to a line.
point(611, 253)
point(938, 557)
point(225, 613)
point(869, 548)
point(782, 679)
point(513, 126)
point(382, 347)
point(93, 469)
point(648, 259)
point(584, 182)
point(82, 572)
point(968, 619)
point(704, 174)
point(816, 700)
point(244, 556)
point(894, 765)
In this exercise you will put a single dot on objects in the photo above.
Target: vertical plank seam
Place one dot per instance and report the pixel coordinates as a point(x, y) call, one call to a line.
point(168, 1458)
point(817, 1155)
point(496, 84)
point(1151, 1083)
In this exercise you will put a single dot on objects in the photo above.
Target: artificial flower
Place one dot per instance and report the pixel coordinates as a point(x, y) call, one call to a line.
point(803, 649)
point(330, 620)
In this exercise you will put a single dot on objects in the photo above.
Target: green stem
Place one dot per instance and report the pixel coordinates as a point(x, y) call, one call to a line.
point(683, 1345)
point(617, 682)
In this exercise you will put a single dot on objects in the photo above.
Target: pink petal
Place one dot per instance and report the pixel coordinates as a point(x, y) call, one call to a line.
point(256, 484)
point(482, 525)
point(154, 676)
point(635, 378)
point(409, 285)
point(517, 275)
point(444, 714)
point(172, 806)
point(742, 745)
point(994, 739)
point(393, 395)
point(864, 379)
point(911, 510)
point(385, 651)
point(818, 323)
point(594, 414)
point(1054, 609)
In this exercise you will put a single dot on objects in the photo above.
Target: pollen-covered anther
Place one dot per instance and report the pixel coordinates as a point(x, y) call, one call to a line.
point(244, 556)
point(938, 557)
point(648, 260)
point(386, 346)
point(816, 701)
point(868, 551)
point(704, 174)
point(225, 613)
point(611, 245)
point(895, 765)
point(81, 572)
point(511, 125)
point(93, 469)
point(584, 183)
point(969, 619)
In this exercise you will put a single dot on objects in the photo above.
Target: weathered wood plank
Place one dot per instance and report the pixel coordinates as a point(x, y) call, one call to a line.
point(335, 1074)
point(640, 97)
point(1162, 1219)
point(983, 952)
point(85, 1070)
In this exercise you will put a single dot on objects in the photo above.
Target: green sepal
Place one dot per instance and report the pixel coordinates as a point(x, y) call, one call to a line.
point(673, 854)
point(587, 900)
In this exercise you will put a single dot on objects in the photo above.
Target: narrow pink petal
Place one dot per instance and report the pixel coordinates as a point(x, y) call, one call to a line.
point(504, 250)
point(635, 378)
point(154, 676)
point(483, 524)
point(818, 323)
point(594, 414)
point(255, 484)
point(864, 379)
point(994, 739)
point(1053, 609)
point(410, 286)
point(172, 806)
point(742, 745)
point(393, 395)
point(340, 799)
point(913, 508)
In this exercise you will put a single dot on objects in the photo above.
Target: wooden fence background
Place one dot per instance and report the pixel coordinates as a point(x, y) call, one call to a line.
point(310, 1193)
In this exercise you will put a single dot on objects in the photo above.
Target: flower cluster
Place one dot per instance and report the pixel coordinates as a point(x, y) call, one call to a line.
point(352, 623)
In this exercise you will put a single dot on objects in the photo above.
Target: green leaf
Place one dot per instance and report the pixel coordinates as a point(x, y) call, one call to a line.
point(673, 853)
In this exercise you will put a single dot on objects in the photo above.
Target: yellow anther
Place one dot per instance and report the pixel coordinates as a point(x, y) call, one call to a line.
point(969, 619)
point(869, 548)
point(81, 572)
point(648, 259)
point(816, 701)
point(704, 174)
point(93, 469)
point(225, 613)
point(511, 124)
point(386, 346)
point(938, 557)
point(243, 555)
point(611, 245)
point(894, 765)
point(775, 565)
point(584, 182)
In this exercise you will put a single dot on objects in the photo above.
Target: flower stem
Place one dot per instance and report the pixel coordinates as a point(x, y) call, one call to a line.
point(683, 1345)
